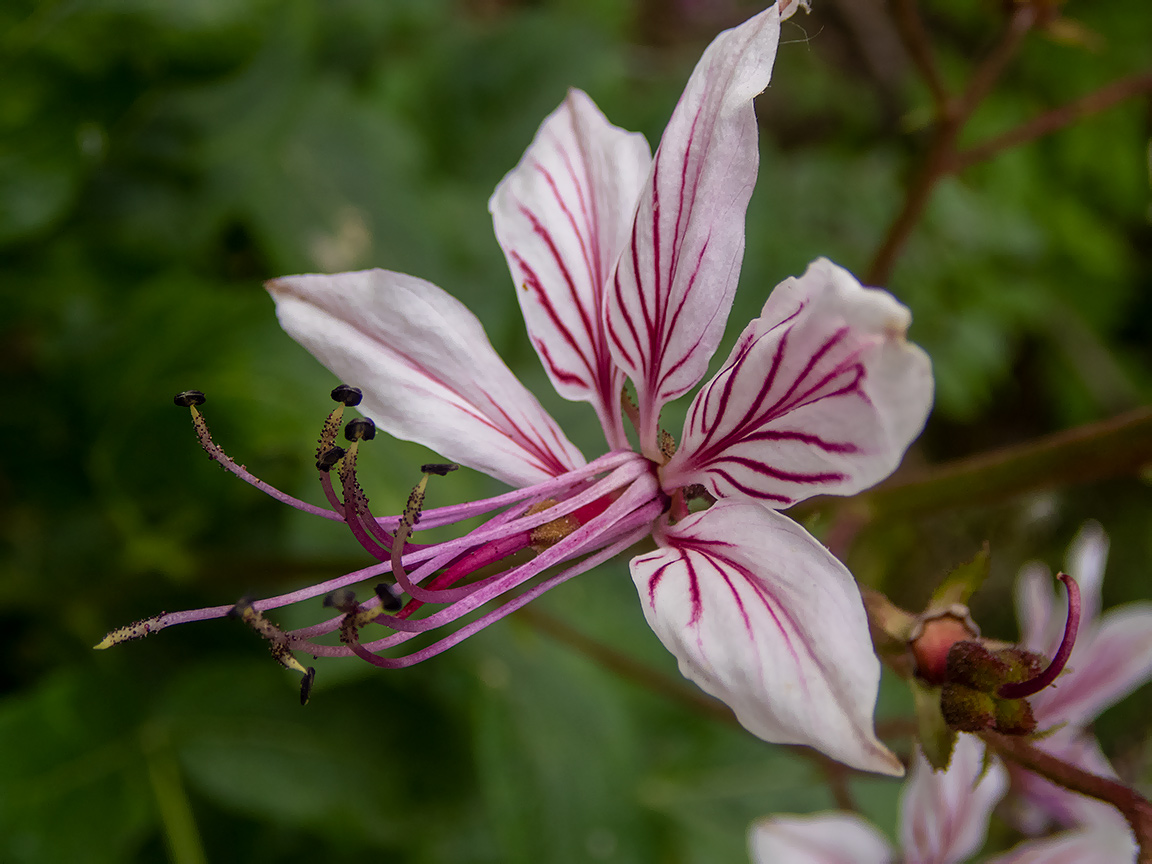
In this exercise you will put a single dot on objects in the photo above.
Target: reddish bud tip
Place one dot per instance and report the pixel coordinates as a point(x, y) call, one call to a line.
point(930, 648)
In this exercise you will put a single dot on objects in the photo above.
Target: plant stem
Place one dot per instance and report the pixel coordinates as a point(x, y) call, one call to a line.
point(1057, 118)
point(1134, 806)
point(1117, 447)
point(919, 46)
point(940, 154)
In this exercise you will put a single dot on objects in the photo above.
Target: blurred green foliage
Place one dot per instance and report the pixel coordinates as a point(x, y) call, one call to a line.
point(158, 160)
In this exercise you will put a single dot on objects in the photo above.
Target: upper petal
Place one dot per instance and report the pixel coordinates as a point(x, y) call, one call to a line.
point(562, 216)
point(821, 394)
point(1087, 557)
point(761, 616)
point(823, 838)
point(670, 294)
point(944, 814)
point(427, 370)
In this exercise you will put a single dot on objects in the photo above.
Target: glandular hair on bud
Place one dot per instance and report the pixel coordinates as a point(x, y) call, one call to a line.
point(350, 396)
point(1014, 717)
point(973, 665)
point(967, 710)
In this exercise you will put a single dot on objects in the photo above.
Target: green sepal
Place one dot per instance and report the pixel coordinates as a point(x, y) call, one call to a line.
point(936, 739)
point(959, 585)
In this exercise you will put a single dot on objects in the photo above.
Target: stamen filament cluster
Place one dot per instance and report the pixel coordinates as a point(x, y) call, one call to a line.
point(543, 535)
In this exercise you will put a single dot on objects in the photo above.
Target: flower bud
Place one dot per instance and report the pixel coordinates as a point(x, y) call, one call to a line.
point(973, 665)
point(933, 638)
point(1014, 717)
point(967, 710)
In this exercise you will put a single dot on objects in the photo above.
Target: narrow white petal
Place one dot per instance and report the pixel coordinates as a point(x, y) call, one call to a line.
point(562, 216)
point(427, 370)
point(822, 394)
point(669, 297)
point(944, 814)
point(762, 617)
point(1087, 557)
point(1035, 604)
point(823, 838)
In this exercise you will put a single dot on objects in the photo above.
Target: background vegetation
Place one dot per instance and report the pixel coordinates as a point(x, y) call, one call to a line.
point(158, 160)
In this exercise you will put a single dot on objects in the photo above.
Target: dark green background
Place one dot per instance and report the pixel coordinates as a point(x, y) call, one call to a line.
point(158, 160)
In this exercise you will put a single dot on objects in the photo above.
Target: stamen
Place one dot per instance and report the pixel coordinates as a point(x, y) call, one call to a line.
point(1023, 689)
point(350, 396)
point(137, 630)
point(190, 399)
point(306, 685)
point(278, 643)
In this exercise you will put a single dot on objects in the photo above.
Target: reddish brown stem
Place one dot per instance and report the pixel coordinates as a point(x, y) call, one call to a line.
point(1053, 120)
point(919, 47)
point(1134, 807)
point(939, 158)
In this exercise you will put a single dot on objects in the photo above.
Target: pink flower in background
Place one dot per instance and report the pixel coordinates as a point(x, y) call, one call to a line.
point(625, 265)
point(944, 819)
point(1112, 657)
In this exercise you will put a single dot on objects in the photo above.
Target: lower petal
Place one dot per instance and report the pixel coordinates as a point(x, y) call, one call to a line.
point(762, 617)
point(824, 838)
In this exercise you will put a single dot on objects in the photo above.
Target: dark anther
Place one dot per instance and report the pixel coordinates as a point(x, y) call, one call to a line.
point(189, 398)
point(438, 468)
point(329, 458)
point(242, 606)
point(343, 599)
point(389, 599)
point(306, 684)
point(360, 429)
point(350, 396)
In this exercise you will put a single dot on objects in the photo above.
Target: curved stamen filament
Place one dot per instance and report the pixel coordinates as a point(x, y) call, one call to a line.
point(609, 552)
point(1023, 689)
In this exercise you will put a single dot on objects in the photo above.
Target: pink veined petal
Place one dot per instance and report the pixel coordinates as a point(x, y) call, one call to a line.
point(820, 395)
point(1087, 557)
point(670, 294)
point(823, 838)
point(1104, 668)
point(944, 814)
point(562, 216)
point(1035, 609)
point(427, 370)
point(1094, 846)
point(762, 617)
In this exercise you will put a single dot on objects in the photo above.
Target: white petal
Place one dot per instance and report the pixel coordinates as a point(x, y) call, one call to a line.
point(762, 617)
point(1087, 557)
point(944, 814)
point(1074, 847)
point(1035, 605)
point(823, 838)
point(562, 216)
point(427, 370)
point(821, 395)
point(670, 295)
